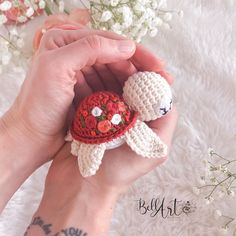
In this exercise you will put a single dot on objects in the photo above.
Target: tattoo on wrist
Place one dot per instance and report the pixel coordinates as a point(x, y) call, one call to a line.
point(47, 229)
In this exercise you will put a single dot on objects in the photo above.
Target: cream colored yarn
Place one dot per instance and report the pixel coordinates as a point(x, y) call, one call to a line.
point(90, 158)
point(145, 142)
point(146, 92)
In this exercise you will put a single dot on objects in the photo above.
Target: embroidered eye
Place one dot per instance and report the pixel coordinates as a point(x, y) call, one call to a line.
point(165, 106)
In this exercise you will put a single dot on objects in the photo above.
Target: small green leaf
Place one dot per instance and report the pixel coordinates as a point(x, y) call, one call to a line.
point(103, 106)
point(82, 121)
point(102, 117)
point(47, 10)
point(97, 132)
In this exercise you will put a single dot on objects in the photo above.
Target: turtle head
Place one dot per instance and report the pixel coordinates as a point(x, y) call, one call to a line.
point(149, 94)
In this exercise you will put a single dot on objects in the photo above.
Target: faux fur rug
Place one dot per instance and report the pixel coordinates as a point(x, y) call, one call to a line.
point(200, 51)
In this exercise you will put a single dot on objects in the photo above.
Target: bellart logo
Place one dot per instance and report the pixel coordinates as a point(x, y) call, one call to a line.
point(160, 206)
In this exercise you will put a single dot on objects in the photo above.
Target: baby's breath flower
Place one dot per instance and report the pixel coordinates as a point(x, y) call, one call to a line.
point(20, 43)
point(132, 18)
point(220, 194)
point(13, 32)
point(42, 4)
point(233, 222)
point(196, 190)
point(29, 12)
point(5, 58)
point(5, 6)
point(209, 200)
point(223, 230)
point(21, 19)
point(213, 180)
point(106, 15)
point(210, 151)
point(114, 2)
point(168, 16)
point(153, 32)
point(230, 193)
point(61, 6)
point(3, 19)
point(181, 13)
point(217, 214)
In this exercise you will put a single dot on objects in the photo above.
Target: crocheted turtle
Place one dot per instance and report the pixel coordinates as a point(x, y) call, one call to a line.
point(105, 120)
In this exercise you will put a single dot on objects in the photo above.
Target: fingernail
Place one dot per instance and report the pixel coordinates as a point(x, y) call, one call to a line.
point(126, 46)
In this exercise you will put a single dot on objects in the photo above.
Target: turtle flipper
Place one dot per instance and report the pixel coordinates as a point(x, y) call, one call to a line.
point(90, 158)
point(145, 142)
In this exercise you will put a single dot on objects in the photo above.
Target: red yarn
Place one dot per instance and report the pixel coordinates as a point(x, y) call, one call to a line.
point(100, 128)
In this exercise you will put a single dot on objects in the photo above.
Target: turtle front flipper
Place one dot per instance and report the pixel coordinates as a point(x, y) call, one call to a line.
point(90, 158)
point(145, 142)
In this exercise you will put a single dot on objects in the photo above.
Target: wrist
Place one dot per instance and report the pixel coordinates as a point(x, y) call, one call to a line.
point(32, 147)
point(89, 209)
point(19, 156)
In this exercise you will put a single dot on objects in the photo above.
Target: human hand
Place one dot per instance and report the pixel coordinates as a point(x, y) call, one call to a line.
point(33, 129)
point(96, 195)
point(86, 204)
point(64, 59)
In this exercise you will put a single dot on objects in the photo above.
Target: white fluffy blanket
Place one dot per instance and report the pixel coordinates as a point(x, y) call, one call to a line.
point(200, 51)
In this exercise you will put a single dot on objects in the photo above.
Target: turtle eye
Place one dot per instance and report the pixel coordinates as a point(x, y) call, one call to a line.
point(163, 107)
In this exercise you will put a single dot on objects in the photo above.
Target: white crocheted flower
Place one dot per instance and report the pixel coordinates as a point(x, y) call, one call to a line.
point(116, 119)
point(96, 111)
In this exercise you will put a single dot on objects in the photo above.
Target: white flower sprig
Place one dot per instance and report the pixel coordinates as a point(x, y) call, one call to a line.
point(229, 221)
point(11, 48)
point(131, 18)
point(13, 14)
point(220, 179)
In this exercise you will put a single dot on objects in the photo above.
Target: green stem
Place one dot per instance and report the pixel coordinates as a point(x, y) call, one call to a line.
point(229, 162)
point(47, 10)
point(82, 2)
point(209, 195)
point(13, 45)
point(65, 11)
point(214, 153)
point(208, 185)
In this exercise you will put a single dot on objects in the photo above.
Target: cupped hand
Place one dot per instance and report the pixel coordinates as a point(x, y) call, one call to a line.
point(120, 166)
point(69, 65)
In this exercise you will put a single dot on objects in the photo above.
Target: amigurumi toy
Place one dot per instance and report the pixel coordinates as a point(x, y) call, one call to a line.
point(104, 120)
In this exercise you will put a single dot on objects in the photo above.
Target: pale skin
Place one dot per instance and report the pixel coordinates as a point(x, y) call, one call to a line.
point(68, 66)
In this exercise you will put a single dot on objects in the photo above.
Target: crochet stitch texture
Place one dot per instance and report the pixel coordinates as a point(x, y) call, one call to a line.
point(104, 120)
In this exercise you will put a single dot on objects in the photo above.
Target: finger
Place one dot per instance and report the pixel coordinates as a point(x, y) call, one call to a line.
point(91, 50)
point(56, 38)
point(122, 70)
point(109, 80)
point(144, 60)
point(81, 88)
point(92, 78)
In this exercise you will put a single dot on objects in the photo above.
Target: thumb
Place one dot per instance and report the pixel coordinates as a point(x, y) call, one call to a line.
point(94, 49)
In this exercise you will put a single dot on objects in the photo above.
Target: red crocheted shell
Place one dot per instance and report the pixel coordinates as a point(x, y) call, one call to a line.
point(102, 117)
